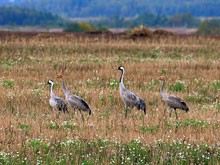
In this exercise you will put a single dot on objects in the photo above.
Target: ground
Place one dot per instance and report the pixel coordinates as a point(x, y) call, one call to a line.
point(89, 62)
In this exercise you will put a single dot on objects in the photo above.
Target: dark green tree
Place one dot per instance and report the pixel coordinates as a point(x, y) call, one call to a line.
point(79, 27)
point(208, 27)
point(183, 20)
point(21, 17)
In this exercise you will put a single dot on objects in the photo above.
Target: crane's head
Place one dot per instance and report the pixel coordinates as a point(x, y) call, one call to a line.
point(121, 68)
point(162, 78)
point(59, 75)
point(50, 82)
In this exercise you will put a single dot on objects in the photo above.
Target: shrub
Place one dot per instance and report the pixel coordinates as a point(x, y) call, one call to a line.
point(103, 28)
point(79, 27)
point(208, 27)
point(87, 27)
point(141, 31)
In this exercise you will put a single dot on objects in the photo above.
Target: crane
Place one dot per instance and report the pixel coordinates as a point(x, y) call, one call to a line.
point(172, 101)
point(129, 98)
point(74, 101)
point(55, 102)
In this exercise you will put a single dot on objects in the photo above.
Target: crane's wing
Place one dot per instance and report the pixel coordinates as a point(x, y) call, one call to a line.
point(61, 105)
point(177, 99)
point(176, 102)
point(78, 102)
point(130, 98)
point(82, 101)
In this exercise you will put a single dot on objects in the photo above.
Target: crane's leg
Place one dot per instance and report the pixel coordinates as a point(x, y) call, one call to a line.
point(164, 111)
point(176, 114)
point(126, 111)
point(74, 111)
point(170, 113)
point(145, 111)
point(57, 114)
point(65, 109)
point(82, 116)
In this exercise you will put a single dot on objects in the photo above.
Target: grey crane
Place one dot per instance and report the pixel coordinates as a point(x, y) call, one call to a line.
point(75, 101)
point(129, 98)
point(56, 103)
point(172, 101)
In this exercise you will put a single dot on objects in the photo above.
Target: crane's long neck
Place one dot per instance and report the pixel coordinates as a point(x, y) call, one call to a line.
point(162, 88)
point(121, 78)
point(66, 91)
point(51, 90)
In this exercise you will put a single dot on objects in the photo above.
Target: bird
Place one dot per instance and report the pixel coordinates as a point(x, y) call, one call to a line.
point(55, 102)
point(172, 101)
point(74, 101)
point(129, 98)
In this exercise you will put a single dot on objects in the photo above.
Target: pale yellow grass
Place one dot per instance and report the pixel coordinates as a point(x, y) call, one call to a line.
point(87, 66)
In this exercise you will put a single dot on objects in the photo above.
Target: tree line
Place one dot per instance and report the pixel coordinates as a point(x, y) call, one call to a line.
point(122, 8)
point(151, 20)
point(25, 17)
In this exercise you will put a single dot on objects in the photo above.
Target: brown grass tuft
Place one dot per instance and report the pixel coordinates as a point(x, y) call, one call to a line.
point(162, 33)
point(141, 32)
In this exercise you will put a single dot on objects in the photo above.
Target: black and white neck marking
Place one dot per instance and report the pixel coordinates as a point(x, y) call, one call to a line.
point(51, 86)
point(122, 74)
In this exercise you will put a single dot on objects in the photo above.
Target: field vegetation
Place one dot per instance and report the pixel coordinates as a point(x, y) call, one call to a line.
point(32, 133)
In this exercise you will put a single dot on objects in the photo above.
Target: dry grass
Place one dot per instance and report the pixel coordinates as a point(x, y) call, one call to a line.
point(88, 66)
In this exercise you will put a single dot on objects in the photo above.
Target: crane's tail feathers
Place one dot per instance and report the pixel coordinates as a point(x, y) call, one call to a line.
point(65, 110)
point(184, 106)
point(90, 112)
point(143, 106)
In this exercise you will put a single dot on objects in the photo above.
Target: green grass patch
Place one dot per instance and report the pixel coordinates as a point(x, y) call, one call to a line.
point(197, 99)
point(174, 55)
point(69, 126)
point(24, 127)
point(178, 87)
point(215, 86)
point(113, 83)
point(7, 63)
point(193, 123)
point(150, 129)
point(8, 83)
point(54, 125)
point(151, 85)
point(101, 151)
point(153, 53)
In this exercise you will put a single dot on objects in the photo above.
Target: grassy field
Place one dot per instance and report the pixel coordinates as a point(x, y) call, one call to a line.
point(32, 133)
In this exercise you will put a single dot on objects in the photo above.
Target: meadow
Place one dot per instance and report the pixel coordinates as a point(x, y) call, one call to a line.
point(32, 133)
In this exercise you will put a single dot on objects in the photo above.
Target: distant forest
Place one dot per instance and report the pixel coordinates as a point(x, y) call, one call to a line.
point(21, 17)
point(121, 8)
point(113, 14)
point(15, 16)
